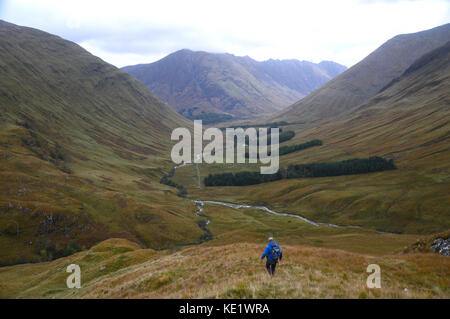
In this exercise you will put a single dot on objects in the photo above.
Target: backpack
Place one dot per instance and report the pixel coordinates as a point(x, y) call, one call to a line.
point(276, 253)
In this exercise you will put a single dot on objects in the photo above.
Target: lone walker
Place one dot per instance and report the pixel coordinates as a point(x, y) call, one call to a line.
point(274, 254)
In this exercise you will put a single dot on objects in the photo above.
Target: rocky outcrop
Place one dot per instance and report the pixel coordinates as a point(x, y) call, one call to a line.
point(441, 246)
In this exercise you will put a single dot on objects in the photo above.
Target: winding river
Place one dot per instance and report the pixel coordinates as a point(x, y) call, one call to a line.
point(202, 203)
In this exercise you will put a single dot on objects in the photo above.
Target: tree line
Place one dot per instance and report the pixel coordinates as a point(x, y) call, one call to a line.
point(346, 167)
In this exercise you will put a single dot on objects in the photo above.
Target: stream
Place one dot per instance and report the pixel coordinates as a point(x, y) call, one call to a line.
point(202, 203)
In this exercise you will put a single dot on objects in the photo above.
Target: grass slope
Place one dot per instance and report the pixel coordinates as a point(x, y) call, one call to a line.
point(82, 148)
point(119, 269)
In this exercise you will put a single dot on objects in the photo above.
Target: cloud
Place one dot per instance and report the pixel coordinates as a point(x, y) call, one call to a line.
point(131, 32)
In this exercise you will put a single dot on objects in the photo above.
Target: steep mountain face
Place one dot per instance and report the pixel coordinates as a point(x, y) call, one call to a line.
point(367, 78)
point(80, 141)
point(53, 85)
point(408, 120)
point(200, 82)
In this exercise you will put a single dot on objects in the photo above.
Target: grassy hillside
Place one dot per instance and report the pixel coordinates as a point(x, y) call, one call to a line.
point(203, 85)
point(82, 148)
point(119, 269)
point(366, 78)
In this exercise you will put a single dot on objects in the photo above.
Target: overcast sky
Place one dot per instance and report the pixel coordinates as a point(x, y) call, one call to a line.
point(131, 32)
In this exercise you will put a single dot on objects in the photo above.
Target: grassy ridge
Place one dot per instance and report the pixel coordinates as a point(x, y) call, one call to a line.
point(119, 269)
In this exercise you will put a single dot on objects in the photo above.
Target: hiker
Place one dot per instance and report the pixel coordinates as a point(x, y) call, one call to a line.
point(274, 254)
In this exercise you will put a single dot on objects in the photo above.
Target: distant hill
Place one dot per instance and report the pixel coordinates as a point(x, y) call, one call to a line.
point(367, 78)
point(207, 84)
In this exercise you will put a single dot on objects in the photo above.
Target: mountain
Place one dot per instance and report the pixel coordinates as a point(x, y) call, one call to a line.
point(366, 78)
point(210, 85)
point(54, 86)
point(80, 142)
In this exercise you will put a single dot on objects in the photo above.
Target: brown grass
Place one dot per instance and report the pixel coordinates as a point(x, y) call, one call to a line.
point(230, 271)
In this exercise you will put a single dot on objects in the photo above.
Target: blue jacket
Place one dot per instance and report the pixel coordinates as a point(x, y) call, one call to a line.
point(268, 251)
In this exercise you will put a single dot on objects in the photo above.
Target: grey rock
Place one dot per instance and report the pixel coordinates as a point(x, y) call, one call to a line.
point(441, 246)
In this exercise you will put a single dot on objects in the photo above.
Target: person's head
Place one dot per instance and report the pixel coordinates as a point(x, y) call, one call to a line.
point(270, 239)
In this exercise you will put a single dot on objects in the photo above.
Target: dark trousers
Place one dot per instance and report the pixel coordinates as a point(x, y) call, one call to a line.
point(271, 267)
